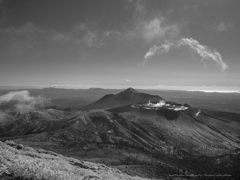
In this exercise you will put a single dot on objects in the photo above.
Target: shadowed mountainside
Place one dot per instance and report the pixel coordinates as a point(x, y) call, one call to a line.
point(17, 123)
point(184, 130)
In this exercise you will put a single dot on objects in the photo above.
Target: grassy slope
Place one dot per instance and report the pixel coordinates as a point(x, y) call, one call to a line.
point(19, 162)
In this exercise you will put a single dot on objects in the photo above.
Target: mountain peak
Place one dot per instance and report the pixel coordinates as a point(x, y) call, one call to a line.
point(123, 98)
point(130, 90)
point(127, 95)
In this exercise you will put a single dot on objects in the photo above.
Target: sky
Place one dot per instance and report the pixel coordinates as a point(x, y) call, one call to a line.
point(151, 44)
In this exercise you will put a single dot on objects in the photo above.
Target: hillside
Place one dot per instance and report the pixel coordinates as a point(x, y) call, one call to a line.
point(21, 162)
point(143, 136)
point(147, 134)
point(16, 123)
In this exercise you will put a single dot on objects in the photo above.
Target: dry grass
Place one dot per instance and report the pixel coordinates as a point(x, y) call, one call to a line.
point(26, 163)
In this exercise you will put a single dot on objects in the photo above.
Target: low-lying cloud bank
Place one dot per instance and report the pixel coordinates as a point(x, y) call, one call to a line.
point(203, 51)
point(214, 88)
point(23, 101)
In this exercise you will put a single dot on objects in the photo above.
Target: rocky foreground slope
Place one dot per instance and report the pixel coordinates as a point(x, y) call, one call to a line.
point(20, 162)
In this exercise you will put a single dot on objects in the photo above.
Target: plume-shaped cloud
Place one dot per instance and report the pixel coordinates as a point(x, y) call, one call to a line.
point(203, 51)
point(156, 50)
point(159, 49)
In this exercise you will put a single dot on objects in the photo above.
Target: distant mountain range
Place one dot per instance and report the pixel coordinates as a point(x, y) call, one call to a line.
point(78, 98)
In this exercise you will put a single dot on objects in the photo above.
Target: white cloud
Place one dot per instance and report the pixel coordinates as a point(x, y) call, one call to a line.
point(73, 86)
point(156, 50)
point(127, 80)
point(159, 49)
point(214, 88)
point(21, 96)
point(144, 25)
point(149, 25)
point(203, 51)
point(23, 100)
point(156, 30)
point(153, 30)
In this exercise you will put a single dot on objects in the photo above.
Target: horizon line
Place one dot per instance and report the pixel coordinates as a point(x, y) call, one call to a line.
point(206, 89)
